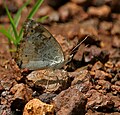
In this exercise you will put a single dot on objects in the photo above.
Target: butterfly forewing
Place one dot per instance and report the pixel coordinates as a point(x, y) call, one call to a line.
point(39, 49)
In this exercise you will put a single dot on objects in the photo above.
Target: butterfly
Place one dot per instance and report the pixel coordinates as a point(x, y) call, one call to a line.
point(38, 48)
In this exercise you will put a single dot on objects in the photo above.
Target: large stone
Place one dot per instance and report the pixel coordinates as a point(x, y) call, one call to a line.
point(37, 107)
point(70, 102)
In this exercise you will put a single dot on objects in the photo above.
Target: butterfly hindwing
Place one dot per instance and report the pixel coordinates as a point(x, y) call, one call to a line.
point(39, 49)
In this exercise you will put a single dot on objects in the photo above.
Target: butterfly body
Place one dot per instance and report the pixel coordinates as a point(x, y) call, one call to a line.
point(38, 49)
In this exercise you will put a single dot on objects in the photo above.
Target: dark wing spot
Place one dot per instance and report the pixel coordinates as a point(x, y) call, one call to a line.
point(50, 37)
point(32, 30)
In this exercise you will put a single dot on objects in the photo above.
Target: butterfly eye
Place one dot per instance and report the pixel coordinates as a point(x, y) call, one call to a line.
point(32, 31)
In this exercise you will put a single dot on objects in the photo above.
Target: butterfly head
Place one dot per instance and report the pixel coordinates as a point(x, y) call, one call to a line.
point(30, 27)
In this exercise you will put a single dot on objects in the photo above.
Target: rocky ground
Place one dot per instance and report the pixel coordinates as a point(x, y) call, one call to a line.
point(89, 84)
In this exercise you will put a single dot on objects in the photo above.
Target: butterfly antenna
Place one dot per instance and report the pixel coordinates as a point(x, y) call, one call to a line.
point(73, 50)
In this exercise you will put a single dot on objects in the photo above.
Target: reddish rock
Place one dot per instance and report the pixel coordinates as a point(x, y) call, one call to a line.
point(93, 53)
point(70, 10)
point(79, 54)
point(44, 10)
point(102, 75)
point(117, 83)
point(6, 84)
point(85, 54)
point(116, 42)
point(105, 85)
point(64, 13)
point(116, 28)
point(105, 27)
point(79, 76)
point(81, 80)
point(21, 91)
point(98, 65)
point(116, 100)
point(89, 27)
point(102, 11)
point(3, 101)
point(73, 31)
point(9, 73)
point(115, 88)
point(90, 112)
point(98, 101)
point(117, 64)
point(116, 78)
point(22, 94)
point(70, 101)
point(109, 64)
point(54, 16)
point(48, 80)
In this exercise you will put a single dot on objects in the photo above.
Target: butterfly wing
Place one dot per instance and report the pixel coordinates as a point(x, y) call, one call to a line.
point(39, 49)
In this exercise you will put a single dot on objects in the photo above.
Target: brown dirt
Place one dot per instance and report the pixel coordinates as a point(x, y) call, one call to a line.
point(94, 71)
